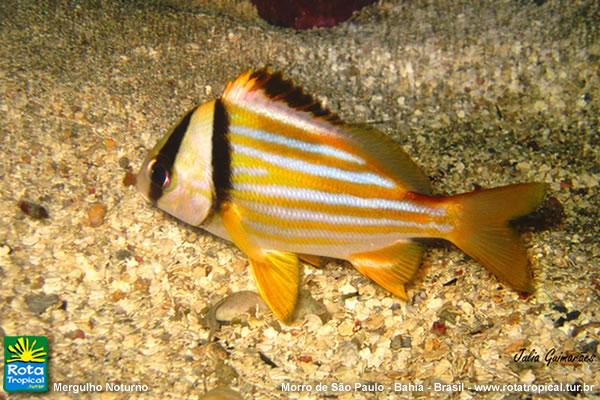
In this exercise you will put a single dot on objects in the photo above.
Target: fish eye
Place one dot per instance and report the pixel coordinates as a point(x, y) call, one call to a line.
point(159, 174)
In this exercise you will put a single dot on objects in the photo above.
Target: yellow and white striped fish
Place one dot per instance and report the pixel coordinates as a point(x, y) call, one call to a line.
point(268, 168)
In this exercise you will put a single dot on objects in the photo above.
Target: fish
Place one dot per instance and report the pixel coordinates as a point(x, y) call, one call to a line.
point(269, 168)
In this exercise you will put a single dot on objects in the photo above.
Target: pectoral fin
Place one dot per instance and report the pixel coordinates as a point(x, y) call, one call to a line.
point(390, 267)
point(232, 221)
point(277, 274)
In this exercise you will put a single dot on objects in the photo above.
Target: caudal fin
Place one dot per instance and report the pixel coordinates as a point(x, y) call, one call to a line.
point(482, 229)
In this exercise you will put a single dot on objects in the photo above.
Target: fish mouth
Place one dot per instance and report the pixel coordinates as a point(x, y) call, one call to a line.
point(142, 184)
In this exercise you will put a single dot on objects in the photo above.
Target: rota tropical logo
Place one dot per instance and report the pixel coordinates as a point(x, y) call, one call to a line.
point(25, 364)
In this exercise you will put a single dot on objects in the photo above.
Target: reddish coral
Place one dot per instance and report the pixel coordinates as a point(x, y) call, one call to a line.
point(306, 14)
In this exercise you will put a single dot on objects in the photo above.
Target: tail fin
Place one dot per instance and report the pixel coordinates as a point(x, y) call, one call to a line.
point(483, 233)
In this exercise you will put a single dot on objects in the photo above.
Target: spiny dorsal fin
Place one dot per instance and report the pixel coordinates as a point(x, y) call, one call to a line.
point(262, 90)
point(262, 84)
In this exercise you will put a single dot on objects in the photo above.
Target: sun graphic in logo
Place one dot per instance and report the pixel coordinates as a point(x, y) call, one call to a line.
point(23, 351)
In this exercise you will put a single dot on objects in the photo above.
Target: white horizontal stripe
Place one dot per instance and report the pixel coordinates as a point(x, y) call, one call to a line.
point(317, 196)
point(365, 178)
point(295, 144)
point(293, 233)
point(300, 214)
point(334, 235)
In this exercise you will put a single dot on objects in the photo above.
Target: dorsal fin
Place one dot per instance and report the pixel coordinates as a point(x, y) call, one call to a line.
point(390, 155)
point(262, 90)
point(263, 84)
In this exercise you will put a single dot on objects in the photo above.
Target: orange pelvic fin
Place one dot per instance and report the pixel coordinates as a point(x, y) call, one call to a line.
point(482, 231)
point(390, 267)
point(277, 279)
point(277, 274)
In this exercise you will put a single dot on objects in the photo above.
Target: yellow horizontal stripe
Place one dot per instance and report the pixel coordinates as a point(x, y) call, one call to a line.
point(322, 225)
point(336, 210)
point(298, 240)
point(244, 117)
point(415, 222)
point(285, 151)
point(254, 170)
point(332, 137)
point(281, 176)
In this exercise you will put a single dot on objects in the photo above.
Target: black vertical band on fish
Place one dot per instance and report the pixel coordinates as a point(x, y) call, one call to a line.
point(165, 159)
point(221, 155)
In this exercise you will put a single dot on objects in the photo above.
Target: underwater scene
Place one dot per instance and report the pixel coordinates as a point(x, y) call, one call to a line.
point(299, 199)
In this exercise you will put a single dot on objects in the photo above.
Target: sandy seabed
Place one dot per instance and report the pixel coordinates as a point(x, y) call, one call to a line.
point(478, 93)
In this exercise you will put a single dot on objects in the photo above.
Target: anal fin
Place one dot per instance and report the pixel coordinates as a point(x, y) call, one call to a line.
point(315, 261)
point(390, 267)
point(277, 279)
